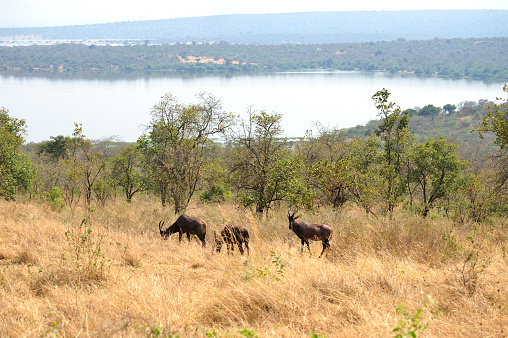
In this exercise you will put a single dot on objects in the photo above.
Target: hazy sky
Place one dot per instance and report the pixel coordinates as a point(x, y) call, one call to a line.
point(36, 13)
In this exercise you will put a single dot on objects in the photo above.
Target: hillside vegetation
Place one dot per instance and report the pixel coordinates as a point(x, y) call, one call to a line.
point(455, 58)
point(435, 122)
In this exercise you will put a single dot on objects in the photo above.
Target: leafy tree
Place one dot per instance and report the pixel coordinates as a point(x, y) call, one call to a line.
point(429, 110)
point(49, 174)
point(333, 179)
point(86, 162)
point(436, 168)
point(449, 108)
point(327, 161)
point(16, 170)
point(127, 170)
point(263, 169)
point(71, 184)
point(395, 137)
point(215, 176)
point(103, 189)
point(176, 142)
point(158, 180)
point(366, 160)
point(56, 147)
point(475, 197)
point(496, 121)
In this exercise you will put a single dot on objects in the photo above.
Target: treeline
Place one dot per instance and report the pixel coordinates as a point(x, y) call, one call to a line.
point(177, 160)
point(455, 58)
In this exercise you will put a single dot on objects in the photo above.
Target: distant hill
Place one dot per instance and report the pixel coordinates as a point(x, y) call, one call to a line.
point(455, 126)
point(308, 27)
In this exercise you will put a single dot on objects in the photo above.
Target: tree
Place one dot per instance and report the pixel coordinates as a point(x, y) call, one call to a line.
point(333, 179)
point(16, 170)
point(366, 160)
point(175, 143)
point(215, 176)
point(86, 162)
point(436, 167)
point(429, 110)
point(263, 170)
point(327, 163)
point(475, 197)
point(126, 168)
point(395, 138)
point(449, 108)
point(496, 121)
point(57, 146)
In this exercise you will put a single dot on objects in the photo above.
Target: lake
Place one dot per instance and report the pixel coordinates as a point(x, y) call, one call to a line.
point(121, 107)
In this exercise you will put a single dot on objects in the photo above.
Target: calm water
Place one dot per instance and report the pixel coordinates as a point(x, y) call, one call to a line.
point(121, 107)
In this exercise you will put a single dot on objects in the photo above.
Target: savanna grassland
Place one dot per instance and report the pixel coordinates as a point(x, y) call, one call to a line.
point(106, 272)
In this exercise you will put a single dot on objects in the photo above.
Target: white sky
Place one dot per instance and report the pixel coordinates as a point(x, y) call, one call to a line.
point(38, 13)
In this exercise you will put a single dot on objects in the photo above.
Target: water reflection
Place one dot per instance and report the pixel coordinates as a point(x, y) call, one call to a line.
point(135, 75)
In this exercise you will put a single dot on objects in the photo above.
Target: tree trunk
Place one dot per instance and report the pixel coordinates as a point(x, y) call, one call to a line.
point(425, 211)
point(259, 209)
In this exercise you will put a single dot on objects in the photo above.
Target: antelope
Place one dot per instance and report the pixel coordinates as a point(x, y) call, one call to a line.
point(307, 231)
point(235, 234)
point(185, 224)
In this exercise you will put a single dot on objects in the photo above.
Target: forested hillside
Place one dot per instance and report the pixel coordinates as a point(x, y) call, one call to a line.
point(310, 27)
point(485, 58)
point(453, 122)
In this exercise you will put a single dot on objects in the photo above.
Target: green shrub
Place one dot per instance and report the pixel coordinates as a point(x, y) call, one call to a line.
point(54, 196)
point(215, 194)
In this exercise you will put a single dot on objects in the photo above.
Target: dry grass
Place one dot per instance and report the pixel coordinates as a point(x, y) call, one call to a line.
point(122, 280)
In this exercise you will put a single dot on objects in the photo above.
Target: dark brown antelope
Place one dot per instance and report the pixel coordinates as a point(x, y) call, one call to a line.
point(307, 231)
point(235, 234)
point(185, 225)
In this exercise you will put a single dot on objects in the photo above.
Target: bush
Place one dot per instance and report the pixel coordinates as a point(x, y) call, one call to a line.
point(54, 196)
point(215, 194)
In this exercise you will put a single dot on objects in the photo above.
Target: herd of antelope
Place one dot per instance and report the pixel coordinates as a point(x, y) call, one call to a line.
point(238, 235)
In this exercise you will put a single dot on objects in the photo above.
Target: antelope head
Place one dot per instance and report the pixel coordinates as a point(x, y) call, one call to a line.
point(291, 218)
point(164, 233)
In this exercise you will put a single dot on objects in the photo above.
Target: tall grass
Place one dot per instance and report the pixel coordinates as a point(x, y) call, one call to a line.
point(106, 272)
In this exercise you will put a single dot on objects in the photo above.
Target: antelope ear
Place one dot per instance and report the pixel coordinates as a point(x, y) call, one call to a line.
point(296, 217)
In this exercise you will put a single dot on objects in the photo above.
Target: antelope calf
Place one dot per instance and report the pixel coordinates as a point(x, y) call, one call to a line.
point(307, 231)
point(218, 242)
point(185, 225)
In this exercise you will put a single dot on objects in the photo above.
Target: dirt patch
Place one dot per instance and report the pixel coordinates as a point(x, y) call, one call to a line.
point(201, 59)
